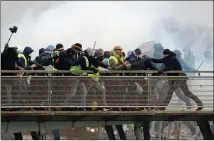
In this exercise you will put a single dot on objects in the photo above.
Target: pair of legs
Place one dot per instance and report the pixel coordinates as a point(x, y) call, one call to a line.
point(83, 91)
point(174, 85)
point(73, 90)
point(162, 88)
point(99, 88)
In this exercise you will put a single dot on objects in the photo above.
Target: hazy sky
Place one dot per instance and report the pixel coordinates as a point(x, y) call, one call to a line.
point(110, 23)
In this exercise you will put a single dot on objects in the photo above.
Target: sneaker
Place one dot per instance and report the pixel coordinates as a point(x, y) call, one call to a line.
point(200, 107)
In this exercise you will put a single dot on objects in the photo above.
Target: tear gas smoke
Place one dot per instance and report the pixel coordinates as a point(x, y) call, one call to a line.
point(128, 24)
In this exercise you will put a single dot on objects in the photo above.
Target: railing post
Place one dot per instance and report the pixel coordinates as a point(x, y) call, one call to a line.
point(49, 91)
point(149, 92)
point(138, 131)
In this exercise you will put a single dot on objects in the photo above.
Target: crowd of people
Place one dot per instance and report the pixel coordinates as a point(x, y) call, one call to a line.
point(77, 60)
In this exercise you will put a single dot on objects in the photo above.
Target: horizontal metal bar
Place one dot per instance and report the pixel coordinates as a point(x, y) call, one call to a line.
point(64, 91)
point(107, 113)
point(122, 77)
point(60, 106)
point(112, 86)
point(104, 72)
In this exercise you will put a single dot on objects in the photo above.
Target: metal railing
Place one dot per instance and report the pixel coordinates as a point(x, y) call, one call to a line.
point(129, 89)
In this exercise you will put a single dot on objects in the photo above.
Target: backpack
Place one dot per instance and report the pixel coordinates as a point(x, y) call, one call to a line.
point(45, 59)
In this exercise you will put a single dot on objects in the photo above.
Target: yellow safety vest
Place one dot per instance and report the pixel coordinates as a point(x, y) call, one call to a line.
point(19, 56)
point(22, 55)
point(114, 58)
point(54, 69)
point(95, 76)
point(77, 70)
point(86, 60)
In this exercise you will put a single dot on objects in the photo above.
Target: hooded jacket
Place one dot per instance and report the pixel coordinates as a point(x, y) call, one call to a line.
point(41, 50)
point(184, 65)
point(8, 59)
point(106, 57)
point(21, 61)
point(94, 62)
point(116, 66)
point(65, 60)
point(143, 63)
point(131, 58)
point(171, 64)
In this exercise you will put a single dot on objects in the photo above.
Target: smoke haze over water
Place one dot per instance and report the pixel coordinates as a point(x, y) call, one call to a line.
point(174, 24)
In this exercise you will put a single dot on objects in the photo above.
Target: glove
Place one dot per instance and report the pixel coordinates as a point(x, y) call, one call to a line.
point(128, 66)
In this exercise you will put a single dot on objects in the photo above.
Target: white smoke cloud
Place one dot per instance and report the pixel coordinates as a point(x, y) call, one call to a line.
point(127, 24)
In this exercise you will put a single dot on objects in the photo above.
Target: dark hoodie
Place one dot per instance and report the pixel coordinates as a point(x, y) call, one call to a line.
point(143, 63)
point(171, 64)
point(65, 60)
point(107, 54)
point(41, 50)
point(21, 62)
point(9, 58)
point(82, 62)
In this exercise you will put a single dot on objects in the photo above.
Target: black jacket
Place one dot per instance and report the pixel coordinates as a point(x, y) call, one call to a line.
point(9, 58)
point(171, 64)
point(97, 62)
point(66, 60)
point(143, 63)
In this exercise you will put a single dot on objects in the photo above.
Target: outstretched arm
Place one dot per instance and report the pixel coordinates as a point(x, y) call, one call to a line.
point(157, 60)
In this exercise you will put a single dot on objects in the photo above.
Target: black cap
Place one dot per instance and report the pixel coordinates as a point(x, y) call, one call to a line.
point(137, 50)
point(41, 50)
point(58, 46)
point(166, 52)
point(78, 44)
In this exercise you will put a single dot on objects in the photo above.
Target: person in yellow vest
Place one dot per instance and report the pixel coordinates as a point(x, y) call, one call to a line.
point(115, 61)
point(96, 61)
point(24, 59)
point(76, 70)
point(85, 62)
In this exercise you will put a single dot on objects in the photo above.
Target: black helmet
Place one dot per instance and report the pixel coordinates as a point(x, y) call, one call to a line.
point(99, 53)
point(137, 51)
point(28, 50)
point(89, 51)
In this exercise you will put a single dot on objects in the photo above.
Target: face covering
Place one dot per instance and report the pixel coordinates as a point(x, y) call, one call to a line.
point(30, 54)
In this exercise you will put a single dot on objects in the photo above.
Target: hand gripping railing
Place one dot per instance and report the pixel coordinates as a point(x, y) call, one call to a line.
point(124, 89)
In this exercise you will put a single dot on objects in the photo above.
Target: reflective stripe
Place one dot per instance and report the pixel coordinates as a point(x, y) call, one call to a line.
point(99, 68)
point(23, 56)
point(52, 58)
point(52, 55)
point(86, 61)
point(114, 58)
point(95, 76)
point(20, 75)
point(76, 70)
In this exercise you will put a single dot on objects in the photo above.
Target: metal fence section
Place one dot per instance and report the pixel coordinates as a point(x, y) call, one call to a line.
point(114, 89)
